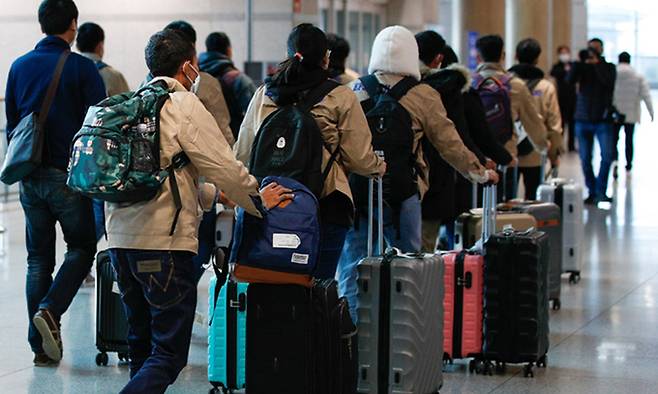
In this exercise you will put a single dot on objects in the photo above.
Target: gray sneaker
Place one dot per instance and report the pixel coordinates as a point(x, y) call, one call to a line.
point(42, 360)
point(51, 336)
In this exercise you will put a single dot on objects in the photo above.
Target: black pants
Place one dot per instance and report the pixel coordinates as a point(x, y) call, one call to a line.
point(568, 122)
point(508, 185)
point(531, 181)
point(629, 129)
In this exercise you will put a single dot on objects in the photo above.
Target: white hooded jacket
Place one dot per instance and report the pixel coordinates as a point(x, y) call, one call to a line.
point(630, 89)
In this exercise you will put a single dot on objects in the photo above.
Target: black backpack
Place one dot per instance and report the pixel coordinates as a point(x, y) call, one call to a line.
point(393, 140)
point(228, 90)
point(289, 143)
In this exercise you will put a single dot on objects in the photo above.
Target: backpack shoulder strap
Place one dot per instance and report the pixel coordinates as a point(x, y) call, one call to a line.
point(371, 85)
point(402, 88)
point(317, 94)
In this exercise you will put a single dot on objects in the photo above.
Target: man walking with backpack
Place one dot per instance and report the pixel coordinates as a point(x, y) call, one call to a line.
point(151, 255)
point(545, 94)
point(237, 87)
point(511, 111)
point(44, 196)
point(400, 112)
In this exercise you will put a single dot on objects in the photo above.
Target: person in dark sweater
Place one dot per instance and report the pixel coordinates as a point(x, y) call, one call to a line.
point(45, 198)
point(594, 116)
point(566, 93)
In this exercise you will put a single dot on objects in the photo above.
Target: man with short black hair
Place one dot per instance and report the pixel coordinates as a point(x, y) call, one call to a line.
point(594, 116)
point(491, 56)
point(340, 50)
point(545, 94)
point(156, 276)
point(44, 196)
point(91, 44)
point(631, 89)
point(238, 88)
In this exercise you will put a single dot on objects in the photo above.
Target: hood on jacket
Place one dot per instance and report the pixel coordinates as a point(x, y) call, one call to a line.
point(214, 63)
point(527, 71)
point(448, 81)
point(395, 51)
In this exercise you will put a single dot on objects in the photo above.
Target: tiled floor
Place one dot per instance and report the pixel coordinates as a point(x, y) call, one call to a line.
point(604, 340)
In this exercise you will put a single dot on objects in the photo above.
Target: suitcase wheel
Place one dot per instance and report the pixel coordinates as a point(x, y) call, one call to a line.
point(218, 390)
point(543, 361)
point(528, 372)
point(501, 368)
point(557, 304)
point(574, 278)
point(484, 367)
point(123, 357)
point(475, 366)
point(102, 359)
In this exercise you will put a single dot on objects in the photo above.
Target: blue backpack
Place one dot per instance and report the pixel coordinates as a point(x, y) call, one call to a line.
point(286, 239)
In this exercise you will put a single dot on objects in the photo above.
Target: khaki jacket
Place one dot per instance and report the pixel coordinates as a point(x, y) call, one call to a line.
point(545, 95)
point(210, 94)
point(185, 125)
point(523, 109)
point(342, 123)
point(428, 116)
point(114, 81)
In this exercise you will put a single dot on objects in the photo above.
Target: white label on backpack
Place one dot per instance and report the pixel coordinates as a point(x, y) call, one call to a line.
point(298, 258)
point(281, 143)
point(285, 241)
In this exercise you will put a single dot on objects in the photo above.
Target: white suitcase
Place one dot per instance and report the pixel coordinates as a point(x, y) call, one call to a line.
point(568, 195)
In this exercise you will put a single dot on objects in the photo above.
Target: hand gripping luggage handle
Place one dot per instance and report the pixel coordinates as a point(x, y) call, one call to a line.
point(380, 215)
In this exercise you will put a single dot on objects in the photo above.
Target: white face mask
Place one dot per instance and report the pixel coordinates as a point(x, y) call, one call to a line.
point(195, 83)
point(565, 57)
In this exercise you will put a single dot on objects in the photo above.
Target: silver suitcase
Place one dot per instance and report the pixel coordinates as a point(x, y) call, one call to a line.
point(568, 195)
point(400, 309)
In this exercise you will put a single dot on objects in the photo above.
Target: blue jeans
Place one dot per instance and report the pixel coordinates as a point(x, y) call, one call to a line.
point(332, 239)
point(99, 218)
point(585, 132)
point(46, 201)
point(158, 289)
point(355, 249)
point(206, 242)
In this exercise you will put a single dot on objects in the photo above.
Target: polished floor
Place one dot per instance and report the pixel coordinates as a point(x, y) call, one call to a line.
point(604, 340)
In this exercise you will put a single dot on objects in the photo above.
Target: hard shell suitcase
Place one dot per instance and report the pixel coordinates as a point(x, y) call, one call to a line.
point(227, 335)
point(400, 319)
point(111, 320)
point(516, 299)
point(568, 195)
point(468, 226)
point(463, 300)
point(299, 340)
point(549, 220)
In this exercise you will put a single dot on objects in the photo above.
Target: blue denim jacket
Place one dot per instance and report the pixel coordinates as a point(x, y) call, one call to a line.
point(80, 87)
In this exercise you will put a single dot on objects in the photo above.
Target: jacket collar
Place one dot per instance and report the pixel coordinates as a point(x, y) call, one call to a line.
point(527, 71)
point(92, 56)
point(488, 66)
point(173, 84)
point(52, 42)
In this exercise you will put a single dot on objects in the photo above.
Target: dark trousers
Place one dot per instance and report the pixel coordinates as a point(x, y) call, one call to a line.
point(629, 130)
point(508, 185)
point(332, 239)
point(158, 289)
point(206, 242)
point(569, 123)
point(586, 132)
point(531, 180)
point(46, 201)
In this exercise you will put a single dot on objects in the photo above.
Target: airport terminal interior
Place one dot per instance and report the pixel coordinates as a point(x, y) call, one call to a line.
point(603, 339)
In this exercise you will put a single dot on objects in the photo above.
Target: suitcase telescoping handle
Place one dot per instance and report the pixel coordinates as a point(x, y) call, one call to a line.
point(380, 215)
point(488, 212)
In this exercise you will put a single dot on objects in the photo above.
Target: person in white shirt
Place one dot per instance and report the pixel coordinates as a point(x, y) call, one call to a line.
point(630, 89)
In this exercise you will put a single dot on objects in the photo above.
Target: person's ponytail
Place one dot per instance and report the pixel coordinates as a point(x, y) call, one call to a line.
point(307, 48)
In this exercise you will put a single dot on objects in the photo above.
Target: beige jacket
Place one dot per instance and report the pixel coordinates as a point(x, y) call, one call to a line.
point(523, 109)
point(114, 81)
point(185, 125)
point(429, 119)
point(545, 95)
point(342, 123)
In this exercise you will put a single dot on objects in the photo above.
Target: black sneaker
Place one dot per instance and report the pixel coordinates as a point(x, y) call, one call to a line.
point(629, 168)
point(51, 336)
point(615, 172)
point(590, 200)
point(42, 360)
point(605, 199)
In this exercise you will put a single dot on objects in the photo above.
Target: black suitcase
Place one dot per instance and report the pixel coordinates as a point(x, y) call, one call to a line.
point(516, 301)
point(299, 340)
point(111, 321)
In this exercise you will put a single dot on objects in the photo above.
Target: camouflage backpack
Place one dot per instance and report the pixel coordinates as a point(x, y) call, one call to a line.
point(116, 155)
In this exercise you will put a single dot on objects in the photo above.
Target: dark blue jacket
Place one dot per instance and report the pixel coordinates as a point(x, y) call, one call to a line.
point(79, 87)
point(596, 86)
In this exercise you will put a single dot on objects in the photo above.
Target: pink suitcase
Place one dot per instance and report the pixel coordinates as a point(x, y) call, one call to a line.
point(462, 304)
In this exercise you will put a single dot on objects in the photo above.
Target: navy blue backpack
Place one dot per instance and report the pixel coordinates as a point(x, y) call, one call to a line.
point(285, 240)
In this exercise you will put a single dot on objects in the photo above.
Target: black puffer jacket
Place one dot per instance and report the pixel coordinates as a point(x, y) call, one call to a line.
point(439, 201)
point(596, 89)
